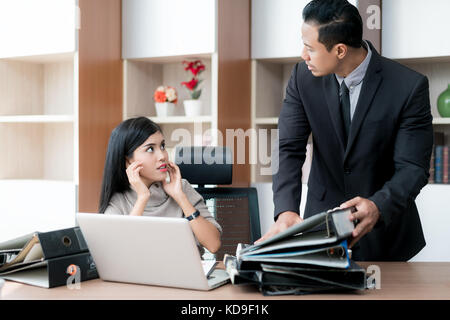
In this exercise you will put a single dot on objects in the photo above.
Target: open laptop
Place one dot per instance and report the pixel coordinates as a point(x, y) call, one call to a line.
point(147, 250)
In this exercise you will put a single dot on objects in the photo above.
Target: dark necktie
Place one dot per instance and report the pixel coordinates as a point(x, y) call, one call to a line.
point(345, 109)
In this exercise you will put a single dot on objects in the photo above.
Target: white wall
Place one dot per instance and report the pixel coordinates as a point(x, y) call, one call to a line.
point(266, 207)
point(27, 211)
point(433, 204)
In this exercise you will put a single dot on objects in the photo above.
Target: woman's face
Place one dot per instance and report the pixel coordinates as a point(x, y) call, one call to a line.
point(154, 157)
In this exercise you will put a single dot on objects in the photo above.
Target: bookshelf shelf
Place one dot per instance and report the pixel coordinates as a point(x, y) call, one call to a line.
point(181, 119)
point(44, 58)
point(37, 119)
point(438, 120)
point(268, 120)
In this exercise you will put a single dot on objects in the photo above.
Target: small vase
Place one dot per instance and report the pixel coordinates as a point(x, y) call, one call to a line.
point(192, 108)
point(443, 103)
point(164, 109)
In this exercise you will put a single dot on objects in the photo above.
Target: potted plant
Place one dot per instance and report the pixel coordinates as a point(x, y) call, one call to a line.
point(165, 99)
point(193, 106)
point(443, 103)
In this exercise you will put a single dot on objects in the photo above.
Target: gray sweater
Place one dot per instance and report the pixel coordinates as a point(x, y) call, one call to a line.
point(161, 204)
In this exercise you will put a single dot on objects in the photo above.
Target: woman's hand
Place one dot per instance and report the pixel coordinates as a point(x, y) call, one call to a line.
point(205, 232)
point(135, 180)
point(173, 188)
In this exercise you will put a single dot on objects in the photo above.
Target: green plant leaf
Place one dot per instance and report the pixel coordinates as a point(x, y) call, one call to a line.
point(196, 94)
point(198, 83)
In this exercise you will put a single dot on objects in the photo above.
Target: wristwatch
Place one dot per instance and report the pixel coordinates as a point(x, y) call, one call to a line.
point(193, 216)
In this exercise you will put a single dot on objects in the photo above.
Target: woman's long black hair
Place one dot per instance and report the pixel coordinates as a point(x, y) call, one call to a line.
point(125, 138)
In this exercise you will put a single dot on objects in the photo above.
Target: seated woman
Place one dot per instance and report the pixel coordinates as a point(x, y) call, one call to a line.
point(134, 182)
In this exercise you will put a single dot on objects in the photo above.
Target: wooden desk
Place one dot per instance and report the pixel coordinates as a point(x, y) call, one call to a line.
point(399, 280)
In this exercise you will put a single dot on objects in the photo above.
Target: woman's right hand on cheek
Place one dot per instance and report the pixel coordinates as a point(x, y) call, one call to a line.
point(135, 179)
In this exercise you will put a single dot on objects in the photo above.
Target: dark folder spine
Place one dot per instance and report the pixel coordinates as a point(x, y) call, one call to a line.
point(62, 242)
point(58, 269)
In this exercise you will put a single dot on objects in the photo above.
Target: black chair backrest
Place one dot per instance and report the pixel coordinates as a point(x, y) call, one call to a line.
point(205, 165)
point(236, 209)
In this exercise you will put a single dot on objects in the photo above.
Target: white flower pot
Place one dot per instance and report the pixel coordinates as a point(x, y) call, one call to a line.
point(164, 109)
point(192, 108)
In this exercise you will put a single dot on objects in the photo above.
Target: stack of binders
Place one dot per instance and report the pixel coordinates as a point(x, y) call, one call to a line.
point(309, 257)
point(47, 259)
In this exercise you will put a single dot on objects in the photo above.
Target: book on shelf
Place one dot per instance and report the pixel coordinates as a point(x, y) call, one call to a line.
point(445, 164)
point(432, 171)
point(441, 165)
point(309, 257)
point(439, 162)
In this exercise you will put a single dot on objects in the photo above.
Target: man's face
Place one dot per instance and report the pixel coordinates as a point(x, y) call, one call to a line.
point(320, 62)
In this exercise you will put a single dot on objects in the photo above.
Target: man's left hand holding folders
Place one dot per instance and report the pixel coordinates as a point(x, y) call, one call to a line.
point(284, 221)
point(366, 213)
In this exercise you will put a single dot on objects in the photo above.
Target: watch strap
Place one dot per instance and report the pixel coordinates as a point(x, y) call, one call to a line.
point(193, 216)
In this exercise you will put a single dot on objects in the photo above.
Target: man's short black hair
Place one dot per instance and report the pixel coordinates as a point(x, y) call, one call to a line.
point(338, 21)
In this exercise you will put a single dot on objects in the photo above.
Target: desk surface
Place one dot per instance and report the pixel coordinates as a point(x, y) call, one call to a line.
point(399, 280)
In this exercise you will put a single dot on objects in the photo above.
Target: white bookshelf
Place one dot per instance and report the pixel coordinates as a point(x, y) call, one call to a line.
point(143, 76)
point(153, 58)
point(402, 40)
point(269, 80)
point(38, 115)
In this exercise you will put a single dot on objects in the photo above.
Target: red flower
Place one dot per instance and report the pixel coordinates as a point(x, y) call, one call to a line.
point(160, 96)
point(197, 70)
point(188, 65)
point(191, 84)
point(194, 66)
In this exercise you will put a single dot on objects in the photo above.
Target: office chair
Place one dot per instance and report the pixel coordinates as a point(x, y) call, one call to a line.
point(235, 209)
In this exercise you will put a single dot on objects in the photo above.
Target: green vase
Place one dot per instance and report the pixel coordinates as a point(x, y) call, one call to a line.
point(443, 103)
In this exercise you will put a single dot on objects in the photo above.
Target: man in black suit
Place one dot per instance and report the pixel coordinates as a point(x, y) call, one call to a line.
point(372, 135)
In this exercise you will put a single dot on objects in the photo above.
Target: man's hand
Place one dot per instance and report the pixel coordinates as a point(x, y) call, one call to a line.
point(284, 221)
point(366, 212)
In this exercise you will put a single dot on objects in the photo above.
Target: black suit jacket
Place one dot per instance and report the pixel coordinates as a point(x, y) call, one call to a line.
point(386, 160)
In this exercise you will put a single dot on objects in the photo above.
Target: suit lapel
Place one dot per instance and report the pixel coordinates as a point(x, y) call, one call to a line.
point(331, 93)
point(369, 87)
